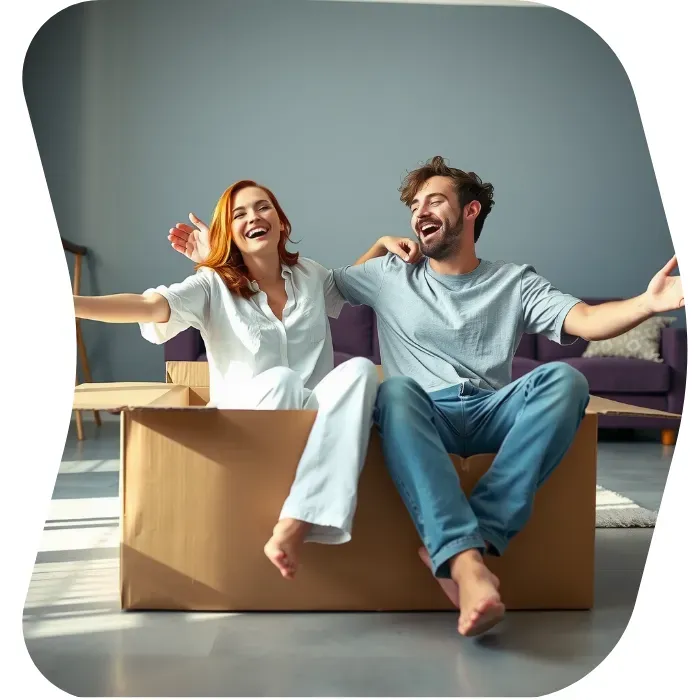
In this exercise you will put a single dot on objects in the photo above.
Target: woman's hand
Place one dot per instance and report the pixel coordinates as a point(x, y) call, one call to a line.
point(191, 241)
point(406, 248)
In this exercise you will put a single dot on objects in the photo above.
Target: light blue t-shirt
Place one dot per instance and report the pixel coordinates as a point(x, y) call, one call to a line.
point(445, 329)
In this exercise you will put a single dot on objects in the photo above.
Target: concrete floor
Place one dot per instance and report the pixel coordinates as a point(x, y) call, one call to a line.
point(83, 643)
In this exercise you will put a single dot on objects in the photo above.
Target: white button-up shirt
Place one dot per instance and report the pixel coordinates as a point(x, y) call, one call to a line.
point(243, 337)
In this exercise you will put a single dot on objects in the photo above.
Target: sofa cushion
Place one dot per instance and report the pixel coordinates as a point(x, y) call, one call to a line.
point(643, 342)
point(340, 357)
point(617, 375)
point(352, 330)
point(527, 346)
point(523, 365)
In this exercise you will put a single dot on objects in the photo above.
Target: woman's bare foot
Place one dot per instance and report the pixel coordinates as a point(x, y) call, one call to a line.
point(282, 549)
point(480, 606)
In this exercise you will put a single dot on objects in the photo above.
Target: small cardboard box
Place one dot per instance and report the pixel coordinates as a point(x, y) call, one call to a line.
point(201, 489)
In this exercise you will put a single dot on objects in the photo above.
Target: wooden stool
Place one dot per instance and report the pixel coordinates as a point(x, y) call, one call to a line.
point(79, 251)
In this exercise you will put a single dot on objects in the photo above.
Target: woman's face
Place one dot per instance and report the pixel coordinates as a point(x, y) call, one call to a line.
point(256, 224)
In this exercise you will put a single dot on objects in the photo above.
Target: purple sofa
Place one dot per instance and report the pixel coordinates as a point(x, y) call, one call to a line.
point(636, 382)
point(631, 381)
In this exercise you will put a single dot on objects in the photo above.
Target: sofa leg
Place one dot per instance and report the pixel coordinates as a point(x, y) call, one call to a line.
point(668, 437)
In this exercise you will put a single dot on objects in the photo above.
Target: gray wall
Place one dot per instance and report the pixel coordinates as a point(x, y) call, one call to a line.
point(146, 110)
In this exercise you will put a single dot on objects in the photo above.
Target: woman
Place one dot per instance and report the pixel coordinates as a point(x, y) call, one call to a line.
point(262, 313)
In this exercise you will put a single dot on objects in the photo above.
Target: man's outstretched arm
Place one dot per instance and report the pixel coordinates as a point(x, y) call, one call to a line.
point(613, 318)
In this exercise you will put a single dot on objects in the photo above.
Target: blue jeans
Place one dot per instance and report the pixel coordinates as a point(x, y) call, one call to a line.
point(529, 423)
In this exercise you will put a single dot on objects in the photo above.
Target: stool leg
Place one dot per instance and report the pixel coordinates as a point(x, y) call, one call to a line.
point(82, 353)
point(668, 437)
point(81, 350)
point(79, 419)
point(79, 425)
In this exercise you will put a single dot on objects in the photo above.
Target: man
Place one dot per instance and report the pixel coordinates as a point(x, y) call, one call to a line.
point(448, 328)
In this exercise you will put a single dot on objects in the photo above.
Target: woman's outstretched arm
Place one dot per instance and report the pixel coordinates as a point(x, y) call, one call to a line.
point(123, 308)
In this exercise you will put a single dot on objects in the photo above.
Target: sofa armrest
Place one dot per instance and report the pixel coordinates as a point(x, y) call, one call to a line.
point(674, 348)
point(674, 352)
point(185, 346)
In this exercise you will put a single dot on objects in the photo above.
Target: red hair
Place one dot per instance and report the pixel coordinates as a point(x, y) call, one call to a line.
point(224, 255)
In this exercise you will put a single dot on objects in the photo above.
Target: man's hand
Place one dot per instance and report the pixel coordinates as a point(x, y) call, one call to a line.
point(665, 292)
point(192, 242)
point(406, 248)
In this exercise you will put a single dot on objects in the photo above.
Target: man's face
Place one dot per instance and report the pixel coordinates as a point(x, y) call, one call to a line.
point(437, 219)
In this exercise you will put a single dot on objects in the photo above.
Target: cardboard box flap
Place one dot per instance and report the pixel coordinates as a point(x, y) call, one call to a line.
point(121, 395)
point(193, 374)
point(608, 407)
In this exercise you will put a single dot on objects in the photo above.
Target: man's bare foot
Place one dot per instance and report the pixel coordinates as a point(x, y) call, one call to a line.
point(480, 606)
point(448, 586)
point(282, 549)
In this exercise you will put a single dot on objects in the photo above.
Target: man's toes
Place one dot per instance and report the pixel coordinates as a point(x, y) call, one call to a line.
point(482, 607)
point(485, 615)
point(490, 618)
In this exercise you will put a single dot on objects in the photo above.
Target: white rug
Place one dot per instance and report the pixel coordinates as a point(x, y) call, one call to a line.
point(614, 510)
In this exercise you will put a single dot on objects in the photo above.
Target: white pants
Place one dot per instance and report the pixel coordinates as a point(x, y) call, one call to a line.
point(324, 492)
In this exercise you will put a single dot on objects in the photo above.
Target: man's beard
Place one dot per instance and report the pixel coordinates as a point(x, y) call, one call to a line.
point(446, 245)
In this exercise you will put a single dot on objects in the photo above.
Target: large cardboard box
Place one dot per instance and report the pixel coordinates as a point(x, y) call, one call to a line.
point(201, 489)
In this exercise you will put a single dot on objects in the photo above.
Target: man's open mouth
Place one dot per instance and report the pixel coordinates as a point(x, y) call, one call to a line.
point(428, 228)
point(256, 232)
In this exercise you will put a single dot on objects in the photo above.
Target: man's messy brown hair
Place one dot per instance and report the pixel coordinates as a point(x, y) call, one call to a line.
point(468, 187)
